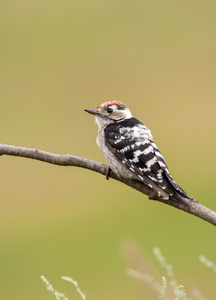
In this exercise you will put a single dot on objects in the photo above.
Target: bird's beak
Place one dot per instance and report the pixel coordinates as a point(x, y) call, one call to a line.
point(92, 111)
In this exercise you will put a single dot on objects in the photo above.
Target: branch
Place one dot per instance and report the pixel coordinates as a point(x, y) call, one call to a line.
point(194, 207)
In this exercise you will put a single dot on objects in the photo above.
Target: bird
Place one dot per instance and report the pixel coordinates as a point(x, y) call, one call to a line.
point(128, 147)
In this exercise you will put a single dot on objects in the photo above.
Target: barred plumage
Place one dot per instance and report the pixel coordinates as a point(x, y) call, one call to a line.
point(128, 147)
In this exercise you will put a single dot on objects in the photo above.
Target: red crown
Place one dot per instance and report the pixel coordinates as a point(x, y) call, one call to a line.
point(112, 102)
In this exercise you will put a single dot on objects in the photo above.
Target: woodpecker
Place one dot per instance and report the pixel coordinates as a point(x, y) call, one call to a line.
point(128, 147)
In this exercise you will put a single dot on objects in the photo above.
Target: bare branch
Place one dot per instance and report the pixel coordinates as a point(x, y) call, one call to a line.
point(194, 208)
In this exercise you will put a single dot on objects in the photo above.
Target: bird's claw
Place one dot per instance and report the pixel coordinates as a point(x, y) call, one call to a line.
point(108, 173)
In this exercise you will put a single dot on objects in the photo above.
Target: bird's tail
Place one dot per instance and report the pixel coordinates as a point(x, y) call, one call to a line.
point(181, 197)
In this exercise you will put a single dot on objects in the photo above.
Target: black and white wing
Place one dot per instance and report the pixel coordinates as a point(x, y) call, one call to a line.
point(133, 146)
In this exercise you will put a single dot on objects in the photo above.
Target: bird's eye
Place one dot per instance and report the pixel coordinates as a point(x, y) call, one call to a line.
point(109, 110)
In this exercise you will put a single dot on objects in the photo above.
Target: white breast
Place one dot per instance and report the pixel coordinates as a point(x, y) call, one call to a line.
point(117, 167)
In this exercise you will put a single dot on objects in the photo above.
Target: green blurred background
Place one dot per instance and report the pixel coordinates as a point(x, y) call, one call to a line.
point(60, 57)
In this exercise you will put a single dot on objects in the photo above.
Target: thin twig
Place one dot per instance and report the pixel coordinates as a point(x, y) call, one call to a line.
point(194, 207)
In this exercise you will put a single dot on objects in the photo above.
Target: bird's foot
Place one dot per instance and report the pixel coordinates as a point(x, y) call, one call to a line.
point(108, 173)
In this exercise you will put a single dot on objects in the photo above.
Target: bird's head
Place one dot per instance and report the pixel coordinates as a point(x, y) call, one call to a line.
point(110, 112)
